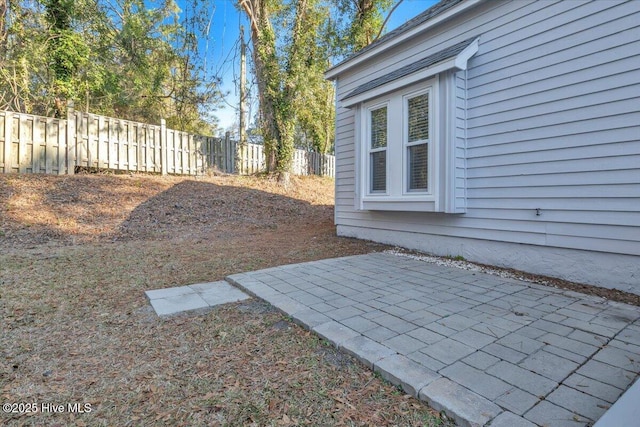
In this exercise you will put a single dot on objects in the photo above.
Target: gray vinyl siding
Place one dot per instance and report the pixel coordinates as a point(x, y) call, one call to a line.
point(460, 193)
point(345, 188)
point(547, 117)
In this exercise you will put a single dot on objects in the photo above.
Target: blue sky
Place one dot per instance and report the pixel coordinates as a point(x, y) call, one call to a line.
point(222, 53)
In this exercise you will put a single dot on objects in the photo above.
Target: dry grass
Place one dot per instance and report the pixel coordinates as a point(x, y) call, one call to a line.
point(77, 254)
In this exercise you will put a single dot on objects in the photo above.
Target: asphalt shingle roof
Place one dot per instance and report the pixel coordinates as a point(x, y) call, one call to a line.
point(430, 60)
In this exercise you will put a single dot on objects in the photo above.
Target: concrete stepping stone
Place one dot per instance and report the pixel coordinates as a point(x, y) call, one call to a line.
point(170, 301)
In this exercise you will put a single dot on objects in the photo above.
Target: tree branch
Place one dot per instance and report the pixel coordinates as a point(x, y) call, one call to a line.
point(248, 8)
point(387, 19)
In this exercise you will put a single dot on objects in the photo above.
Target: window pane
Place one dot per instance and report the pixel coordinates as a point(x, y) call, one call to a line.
point(379, 171)
point(379, 128)
point(419, 118)
point(418, 160)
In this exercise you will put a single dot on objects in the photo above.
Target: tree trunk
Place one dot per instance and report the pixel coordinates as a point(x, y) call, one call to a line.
point(263, 55)
point(276, 87)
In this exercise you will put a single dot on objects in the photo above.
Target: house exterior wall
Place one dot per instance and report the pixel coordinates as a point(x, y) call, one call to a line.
point(548, 113)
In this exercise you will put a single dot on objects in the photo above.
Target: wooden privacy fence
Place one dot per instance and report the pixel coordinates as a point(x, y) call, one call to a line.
point(34, 144)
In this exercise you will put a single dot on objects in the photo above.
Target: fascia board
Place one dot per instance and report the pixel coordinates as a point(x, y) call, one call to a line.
point(462, 59)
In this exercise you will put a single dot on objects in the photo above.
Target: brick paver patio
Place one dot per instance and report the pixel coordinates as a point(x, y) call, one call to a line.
point(481, 347)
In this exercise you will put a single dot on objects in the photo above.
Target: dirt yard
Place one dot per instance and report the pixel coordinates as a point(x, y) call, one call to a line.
point(77, 254)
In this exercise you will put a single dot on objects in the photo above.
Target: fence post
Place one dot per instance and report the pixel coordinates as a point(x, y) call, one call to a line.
point(238, 156)
point(228, 159)
point(163, 145)
point(71, 138)
point(234, 150)
point(211, 159)
point(92, 151)
point(22, 145)
point(62, 146)
point(241, 155)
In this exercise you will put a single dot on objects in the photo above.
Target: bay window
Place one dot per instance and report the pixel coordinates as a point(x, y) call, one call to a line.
point(410, 134)
point(398, 154)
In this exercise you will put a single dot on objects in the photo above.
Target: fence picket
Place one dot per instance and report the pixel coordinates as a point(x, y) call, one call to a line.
point(23, 160)
point(108, 129)
point(140, 162)
point(8, 142)
point(37, 152)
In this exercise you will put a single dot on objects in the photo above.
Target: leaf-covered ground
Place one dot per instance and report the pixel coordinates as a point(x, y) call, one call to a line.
point(77, 254)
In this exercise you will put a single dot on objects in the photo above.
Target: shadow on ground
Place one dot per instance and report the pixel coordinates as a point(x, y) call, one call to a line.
point(66, 210)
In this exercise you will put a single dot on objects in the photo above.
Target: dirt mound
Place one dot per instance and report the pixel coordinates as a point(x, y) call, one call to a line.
point(65, 210)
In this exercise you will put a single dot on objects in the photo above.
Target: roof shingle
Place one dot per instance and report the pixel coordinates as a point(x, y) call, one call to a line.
point(430, 60)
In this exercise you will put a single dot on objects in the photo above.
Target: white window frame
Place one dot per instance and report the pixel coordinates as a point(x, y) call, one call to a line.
point(397, 196)
point(429, 141)
point(371, 150)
